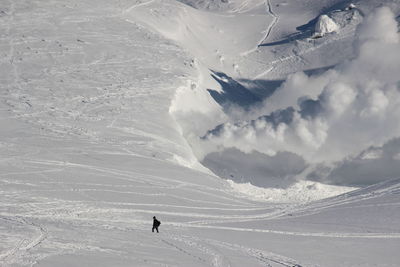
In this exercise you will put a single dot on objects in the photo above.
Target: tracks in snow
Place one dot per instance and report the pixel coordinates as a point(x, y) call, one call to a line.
point(17, 254)
point(138, 4)
point(200, 250)
point(267, 31)
point(220, 252)
point(272, 25)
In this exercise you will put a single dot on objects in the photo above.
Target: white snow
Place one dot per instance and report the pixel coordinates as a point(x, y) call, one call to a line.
point(325, 25)
point(303, 191)
point(104, 106)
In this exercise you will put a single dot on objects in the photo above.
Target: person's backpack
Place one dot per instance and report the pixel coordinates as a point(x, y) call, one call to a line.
point(158, 223)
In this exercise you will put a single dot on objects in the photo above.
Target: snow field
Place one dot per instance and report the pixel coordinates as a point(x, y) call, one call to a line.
point(90, 152)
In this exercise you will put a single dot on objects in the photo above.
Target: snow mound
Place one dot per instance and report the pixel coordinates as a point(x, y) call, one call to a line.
point(325, 25)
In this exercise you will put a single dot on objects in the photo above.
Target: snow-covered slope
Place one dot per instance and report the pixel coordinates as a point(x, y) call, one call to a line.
point(320, 96)
point(105, 107)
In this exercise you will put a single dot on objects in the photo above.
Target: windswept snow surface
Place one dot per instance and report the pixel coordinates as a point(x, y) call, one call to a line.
point(101, 103)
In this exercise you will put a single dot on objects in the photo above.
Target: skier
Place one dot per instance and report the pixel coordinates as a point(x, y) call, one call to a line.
point(156, 223)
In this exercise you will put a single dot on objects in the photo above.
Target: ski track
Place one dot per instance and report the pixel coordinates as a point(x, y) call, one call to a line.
point(204, 217)
point(193, 247)
point(218, 258)
point(301, 210)
point(139, 3)
point(272, 25)
point(307, 234)
point(271, 65)
point(17, 253)
point(267, 31)
point(299, 56)
point(209, 246)
point(197, 258)
point(132, 176)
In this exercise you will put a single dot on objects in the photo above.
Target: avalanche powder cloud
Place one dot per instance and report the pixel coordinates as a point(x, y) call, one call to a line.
point(334, 115)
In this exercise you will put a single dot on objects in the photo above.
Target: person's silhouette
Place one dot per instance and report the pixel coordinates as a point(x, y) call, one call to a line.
point(156, 223)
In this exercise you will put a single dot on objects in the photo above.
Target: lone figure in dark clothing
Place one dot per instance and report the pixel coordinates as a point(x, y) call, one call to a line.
point(156, 223)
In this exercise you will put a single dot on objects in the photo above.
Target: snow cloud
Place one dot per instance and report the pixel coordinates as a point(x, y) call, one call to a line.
point(331, 116)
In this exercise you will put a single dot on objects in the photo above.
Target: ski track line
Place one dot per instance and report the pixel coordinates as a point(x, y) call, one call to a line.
point(263, 216)
point(17, 78)
point(198, 258)
point(267, 31)
point(209, 216)
point(31, 172)
point(218, 259)
point(299, 55)
point(191, 225)
point(11, 255)
point(133, 177)
point(201, 224)
point(274, 22)
point(262, 256)
point(269, 257)
point(297, 211)
point(312, 208)
point(244, 7)
point(86, 208)
point(317, 207)
point(118, 172)
point(308, 234)
point(149, 204)
point(241, 8)
point(258, 76)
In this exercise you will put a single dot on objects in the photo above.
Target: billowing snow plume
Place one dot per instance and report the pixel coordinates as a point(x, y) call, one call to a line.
point(332, 116)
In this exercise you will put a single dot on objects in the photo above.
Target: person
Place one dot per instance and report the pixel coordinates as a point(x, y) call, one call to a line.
point(156, 223)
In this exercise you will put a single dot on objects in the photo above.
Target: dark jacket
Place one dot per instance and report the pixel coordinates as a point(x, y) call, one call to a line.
point(156, 222)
